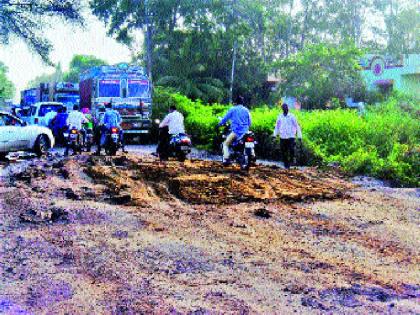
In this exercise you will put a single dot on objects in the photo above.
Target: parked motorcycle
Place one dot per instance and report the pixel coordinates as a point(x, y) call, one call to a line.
point(112, 141)
point(74, 141)
point(242, 151)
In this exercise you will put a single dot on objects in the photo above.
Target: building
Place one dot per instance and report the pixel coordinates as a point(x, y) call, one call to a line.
point(386, 74)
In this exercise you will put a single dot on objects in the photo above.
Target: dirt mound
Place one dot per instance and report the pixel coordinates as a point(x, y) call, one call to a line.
point(205, 182)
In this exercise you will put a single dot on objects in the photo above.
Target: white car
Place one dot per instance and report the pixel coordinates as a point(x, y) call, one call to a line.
point(41, 110)
point(17, 135)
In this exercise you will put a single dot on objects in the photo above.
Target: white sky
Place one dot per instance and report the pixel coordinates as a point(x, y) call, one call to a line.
point(24, 65)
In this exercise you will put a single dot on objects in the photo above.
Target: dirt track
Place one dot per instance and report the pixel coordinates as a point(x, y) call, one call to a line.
point(128, 236)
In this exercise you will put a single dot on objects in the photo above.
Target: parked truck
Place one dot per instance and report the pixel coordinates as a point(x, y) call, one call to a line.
point(129, 90)
point(61, 92)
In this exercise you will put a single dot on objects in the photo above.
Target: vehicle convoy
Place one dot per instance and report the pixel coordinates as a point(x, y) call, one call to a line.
point(242, 150)
point(127, 88)
point(62, 92)
point(17, 135)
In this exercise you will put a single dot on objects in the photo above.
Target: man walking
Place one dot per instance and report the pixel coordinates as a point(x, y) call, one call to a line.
point(287, 127)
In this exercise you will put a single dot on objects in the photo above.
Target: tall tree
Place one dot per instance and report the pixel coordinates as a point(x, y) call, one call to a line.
point(79, 64)
point(26, 20)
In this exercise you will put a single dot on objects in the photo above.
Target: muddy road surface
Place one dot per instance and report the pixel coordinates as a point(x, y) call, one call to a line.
point(130, 235)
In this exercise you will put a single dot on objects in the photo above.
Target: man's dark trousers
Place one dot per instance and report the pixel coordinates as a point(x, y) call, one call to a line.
point(287, 147)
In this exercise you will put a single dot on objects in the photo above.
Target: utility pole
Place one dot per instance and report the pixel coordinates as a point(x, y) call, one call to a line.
point(234, 53)
point(149, 47)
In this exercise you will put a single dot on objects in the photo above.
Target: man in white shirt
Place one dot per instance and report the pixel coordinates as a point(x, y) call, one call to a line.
point(287, 128)
point(76, 120)
point(48, 118)
point(172, 124)
point(174, 121)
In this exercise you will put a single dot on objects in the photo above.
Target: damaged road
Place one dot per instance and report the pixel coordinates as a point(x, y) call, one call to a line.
point(129, 235)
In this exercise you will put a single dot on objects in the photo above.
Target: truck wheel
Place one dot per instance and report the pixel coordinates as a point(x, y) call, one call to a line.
point(42, 145)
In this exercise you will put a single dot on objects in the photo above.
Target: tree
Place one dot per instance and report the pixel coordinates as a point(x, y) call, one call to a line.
point(7, 89)
point(320, 73)
point(56, 76)
point(79, 64)
point(27, 19)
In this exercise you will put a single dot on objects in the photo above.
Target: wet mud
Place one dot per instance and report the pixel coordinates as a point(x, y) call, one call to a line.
point(130, 235)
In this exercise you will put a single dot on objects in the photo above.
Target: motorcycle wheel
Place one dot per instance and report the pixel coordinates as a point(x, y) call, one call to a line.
point(111, 150)
point(244, 162)
point(181, 156)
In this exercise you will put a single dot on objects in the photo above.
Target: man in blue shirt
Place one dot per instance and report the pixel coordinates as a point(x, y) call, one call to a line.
point(240, 118)
point(111, 119)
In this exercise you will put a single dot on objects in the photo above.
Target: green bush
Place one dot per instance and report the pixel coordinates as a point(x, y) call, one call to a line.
point(384, 142)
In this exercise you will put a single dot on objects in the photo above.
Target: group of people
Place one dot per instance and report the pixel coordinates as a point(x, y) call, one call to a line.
point(82, 120)
point(287, 128)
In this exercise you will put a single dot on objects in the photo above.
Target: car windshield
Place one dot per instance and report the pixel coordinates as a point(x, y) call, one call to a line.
point(109, 88)
point(44, 109)
point(138, 88)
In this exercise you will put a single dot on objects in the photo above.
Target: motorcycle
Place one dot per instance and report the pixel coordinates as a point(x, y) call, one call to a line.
point(180, 146)
point(89, 139)
point(112, 141)
point(73, 140)
point(242, 151)
point(177, 146)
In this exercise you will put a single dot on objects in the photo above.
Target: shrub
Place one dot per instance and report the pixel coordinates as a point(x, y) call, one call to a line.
point(384, 142)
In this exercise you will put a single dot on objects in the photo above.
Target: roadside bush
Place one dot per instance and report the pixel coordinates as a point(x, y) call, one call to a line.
point(384, 142)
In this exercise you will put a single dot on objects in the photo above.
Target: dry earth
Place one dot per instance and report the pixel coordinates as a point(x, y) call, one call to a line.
point(128, 235)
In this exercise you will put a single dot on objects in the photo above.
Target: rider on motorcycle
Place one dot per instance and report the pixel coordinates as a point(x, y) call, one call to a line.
point(111, 119)
point(240, 119)
point(75, 120)
point(174, 125)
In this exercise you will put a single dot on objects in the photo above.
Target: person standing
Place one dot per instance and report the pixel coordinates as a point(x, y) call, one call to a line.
point(287, 127)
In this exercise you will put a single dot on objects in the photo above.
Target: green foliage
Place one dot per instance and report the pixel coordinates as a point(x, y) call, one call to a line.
point(7, 89)
point(79, 64)
point(321, 73)
point(385, 142)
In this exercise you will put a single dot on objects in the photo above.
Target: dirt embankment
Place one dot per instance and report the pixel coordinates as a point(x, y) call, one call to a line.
point(127, 235)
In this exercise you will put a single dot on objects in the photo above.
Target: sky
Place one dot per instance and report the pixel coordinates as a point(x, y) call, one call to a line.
point(24, 65)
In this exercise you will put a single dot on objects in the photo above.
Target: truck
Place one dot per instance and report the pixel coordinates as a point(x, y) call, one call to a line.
point(127, 88)
point(62, 92)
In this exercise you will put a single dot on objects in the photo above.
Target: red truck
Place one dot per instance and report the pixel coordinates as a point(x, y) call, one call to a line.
point(128, 89)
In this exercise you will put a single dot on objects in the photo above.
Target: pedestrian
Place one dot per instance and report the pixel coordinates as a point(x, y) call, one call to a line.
point(287, 127)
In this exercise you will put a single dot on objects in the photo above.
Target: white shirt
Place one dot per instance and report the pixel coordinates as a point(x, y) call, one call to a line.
point(287, 127)
point(76, 119)
point(48, 117)
point(175, 123)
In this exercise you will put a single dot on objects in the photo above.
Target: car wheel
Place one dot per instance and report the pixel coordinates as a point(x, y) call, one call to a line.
point(42, 145)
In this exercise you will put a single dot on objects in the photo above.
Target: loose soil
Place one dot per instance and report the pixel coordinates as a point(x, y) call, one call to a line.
point(130, 235)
